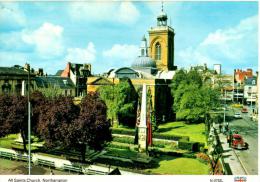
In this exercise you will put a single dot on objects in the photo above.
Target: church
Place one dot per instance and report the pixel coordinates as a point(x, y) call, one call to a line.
point(154, 66)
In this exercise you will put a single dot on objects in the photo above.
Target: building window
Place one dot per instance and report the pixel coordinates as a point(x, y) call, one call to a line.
point(66, 92)
point(157, 51)
point(70, 92)
point(142, 52)
point(253, 82)
point(6, 87)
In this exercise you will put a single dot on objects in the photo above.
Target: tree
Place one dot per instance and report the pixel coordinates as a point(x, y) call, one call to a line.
point(121, 101)
point(38, 102)
point(5, 104)
point(193, 99)
point(55, 119)
point(91, 128)
point(13, 116)
point(62, 123)
point(50, 91)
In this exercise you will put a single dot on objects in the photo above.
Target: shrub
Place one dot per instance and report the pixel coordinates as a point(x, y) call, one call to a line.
point(123, 131)
point(154, 150)
point(165, 144)
point(203, 157)
point(123, 139)
point(118, 145)
point(191, 146)
point(170, 137)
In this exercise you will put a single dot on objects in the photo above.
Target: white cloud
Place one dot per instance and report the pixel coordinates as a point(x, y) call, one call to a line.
point(11, 17)
point(12, 58)
point(78, 55)
point(123, 12)
point(123, 52)
point(127, 13)
point(234, 45)
point(47, 39)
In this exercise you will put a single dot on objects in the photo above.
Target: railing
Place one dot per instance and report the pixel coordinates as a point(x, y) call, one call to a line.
point(69, 168)
point(45, 163)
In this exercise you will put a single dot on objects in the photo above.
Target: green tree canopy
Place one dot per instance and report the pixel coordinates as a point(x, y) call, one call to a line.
point(121, 101)
point(193, 99)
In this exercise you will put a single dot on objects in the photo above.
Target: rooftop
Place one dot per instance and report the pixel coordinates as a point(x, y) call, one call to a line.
point(54, 81)
point(12, 71)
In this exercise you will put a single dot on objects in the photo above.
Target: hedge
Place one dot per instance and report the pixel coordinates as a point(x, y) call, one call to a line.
point(191, 146)
point(118, 145)
point(176, 153)
point(155, 135)
point(123, 131)
point(124, 139)
point(170, 137)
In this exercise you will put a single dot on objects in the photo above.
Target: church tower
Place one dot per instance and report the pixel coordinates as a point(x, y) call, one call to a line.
point(161, 47)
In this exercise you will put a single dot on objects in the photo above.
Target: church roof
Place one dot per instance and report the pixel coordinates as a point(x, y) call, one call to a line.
point(143, 62)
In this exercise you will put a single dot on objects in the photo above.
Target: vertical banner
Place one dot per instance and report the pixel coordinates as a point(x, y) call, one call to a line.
point(138, 113)
point(149, 120)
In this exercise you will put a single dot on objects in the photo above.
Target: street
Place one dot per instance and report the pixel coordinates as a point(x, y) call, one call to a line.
point(249, 131)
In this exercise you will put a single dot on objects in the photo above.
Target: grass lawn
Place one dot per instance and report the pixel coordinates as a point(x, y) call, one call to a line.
point(194, 131)
point(6, 142)
point(180, 166)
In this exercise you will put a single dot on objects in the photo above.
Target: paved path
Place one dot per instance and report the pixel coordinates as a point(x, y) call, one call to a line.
point(249, 130)
point(230, 157)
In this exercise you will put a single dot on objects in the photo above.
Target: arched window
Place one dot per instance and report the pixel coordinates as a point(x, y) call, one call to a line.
point(142, 52)
point(157, 51)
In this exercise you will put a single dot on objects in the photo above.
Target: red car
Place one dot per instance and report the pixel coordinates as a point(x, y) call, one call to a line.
point(244, 110)
point(238, 142)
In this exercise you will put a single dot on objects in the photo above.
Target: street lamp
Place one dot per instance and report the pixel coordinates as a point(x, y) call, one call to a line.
point(225, 107)
point(29, 123)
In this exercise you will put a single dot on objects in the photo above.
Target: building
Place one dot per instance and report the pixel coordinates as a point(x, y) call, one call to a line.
point(250, 90)
point(217, 68)
point(240, 75)
point(154, 66)
point(62, 84)
point(14, 80)
point(78, 74)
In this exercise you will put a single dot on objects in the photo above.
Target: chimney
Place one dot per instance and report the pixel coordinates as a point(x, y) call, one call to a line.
point(40, 72)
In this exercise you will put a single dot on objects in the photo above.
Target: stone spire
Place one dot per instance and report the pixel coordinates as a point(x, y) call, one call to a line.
point(162, 18)
point(143, 47)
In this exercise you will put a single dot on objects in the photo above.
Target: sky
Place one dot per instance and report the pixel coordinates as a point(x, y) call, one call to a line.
point(107, 34)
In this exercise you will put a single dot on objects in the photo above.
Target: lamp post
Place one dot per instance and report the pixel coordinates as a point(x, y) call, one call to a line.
point(29, 123)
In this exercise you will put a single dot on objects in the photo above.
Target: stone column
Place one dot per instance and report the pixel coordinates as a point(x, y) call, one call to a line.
point(142, 128)
point(23, 88)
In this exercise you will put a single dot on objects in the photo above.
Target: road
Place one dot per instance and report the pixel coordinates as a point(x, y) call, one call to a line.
point(249, 130)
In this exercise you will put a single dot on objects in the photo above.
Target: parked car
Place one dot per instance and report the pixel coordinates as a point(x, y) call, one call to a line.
point(238, 142)
point(244, 110)
point(237, 115)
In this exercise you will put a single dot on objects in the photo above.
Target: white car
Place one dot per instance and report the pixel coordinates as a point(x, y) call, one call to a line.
point(237, 115)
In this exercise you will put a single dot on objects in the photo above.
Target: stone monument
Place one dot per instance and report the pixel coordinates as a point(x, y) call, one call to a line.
point(142, 128)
